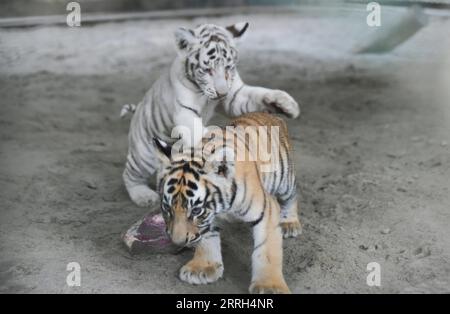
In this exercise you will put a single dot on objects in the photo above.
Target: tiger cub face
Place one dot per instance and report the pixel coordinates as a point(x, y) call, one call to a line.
point(185, 204)
point(210, 56)
point(192, 192)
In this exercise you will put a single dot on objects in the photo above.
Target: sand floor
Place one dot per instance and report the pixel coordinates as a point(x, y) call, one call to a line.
point(372, 150)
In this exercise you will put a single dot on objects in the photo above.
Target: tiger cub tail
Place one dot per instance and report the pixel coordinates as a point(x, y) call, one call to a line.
point(126, 109)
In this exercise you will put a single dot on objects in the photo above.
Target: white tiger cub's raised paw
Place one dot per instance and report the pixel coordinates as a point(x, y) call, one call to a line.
point(201, 272)
point(143, 196)
point(281, 102)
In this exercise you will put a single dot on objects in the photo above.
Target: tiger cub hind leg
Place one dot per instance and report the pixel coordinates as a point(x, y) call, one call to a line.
point(289, 221)
point(206, 266)
point(140, 193)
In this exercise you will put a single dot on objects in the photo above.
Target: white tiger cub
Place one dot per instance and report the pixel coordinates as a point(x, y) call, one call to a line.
point(202, 76)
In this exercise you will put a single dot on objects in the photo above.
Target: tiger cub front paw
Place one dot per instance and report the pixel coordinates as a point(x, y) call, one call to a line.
point(279, 101)
point(201, 272)
point(269, 287)
point(291, 229)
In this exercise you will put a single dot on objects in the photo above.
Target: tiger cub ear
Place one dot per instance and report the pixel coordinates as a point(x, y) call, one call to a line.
point(163, 149)
point(238, 29)
point(185, 38)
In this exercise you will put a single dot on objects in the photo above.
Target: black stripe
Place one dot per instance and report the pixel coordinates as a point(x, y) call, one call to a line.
point(219, 194)
point(196, 175)
point(246, 106)
point(171, 189)
point(214, 229)
point(260, 245)
point(192, 185)
point(211, 229)
point(257, 221)
point(173, 170)
point(139, 168)
point(155, 115)
point(196, 164)
point(172, 181)
point(234, 95)
point(233, 191)
point(205, 230)
point(160, 185)
point(269, 181)
point(247, 209)
point(189, 78)
point(282, 165)
point(188, 108)
point(131, 167)
point(283, 201)
point(186, 169)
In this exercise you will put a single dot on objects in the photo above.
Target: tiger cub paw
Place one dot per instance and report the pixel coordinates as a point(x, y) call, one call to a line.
point(291, 229)
point(196, 273)
point(267, 287)
point(279, 101)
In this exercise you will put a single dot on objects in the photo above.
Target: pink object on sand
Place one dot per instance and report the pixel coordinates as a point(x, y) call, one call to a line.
point(149, 235)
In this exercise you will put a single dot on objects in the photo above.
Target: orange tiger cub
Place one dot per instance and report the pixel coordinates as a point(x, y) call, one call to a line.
point(245, 170)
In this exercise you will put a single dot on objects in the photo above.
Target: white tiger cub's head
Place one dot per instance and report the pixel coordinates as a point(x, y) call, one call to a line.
point(210, 56)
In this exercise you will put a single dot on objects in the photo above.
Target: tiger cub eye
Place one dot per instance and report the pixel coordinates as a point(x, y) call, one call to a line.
point(195, 211)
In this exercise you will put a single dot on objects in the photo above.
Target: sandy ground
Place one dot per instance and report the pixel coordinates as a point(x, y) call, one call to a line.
point(372, 151)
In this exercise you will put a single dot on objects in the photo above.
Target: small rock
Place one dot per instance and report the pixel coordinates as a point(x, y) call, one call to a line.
point(436, 164)
point(109, 198)
point(385, 231)
point(401, 190)
point(372, 248)
point(396, 155)
point(422, 252)
point(91, 185)
point(363, 247)
point(444, 143)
